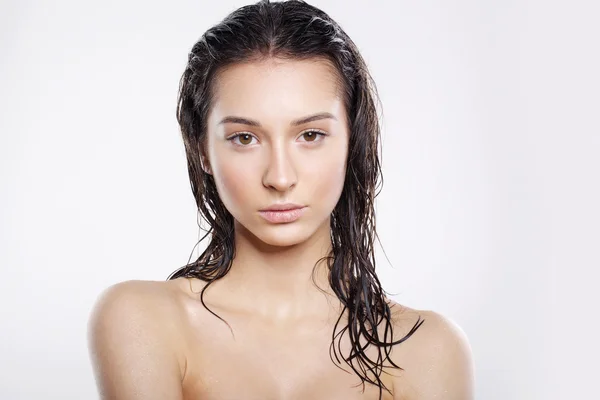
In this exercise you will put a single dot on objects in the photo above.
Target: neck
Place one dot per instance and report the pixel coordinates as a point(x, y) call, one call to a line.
point(277, 282)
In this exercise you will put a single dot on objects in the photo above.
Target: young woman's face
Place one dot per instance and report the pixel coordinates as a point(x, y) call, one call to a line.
point(277, 157)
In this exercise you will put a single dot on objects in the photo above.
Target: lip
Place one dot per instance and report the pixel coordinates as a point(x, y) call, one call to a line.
point(283, 216)
point(282, 207)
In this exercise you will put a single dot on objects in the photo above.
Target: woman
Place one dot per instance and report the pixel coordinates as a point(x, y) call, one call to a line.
point(277, 112)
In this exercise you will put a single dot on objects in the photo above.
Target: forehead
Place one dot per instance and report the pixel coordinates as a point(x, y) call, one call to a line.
point(277, 90)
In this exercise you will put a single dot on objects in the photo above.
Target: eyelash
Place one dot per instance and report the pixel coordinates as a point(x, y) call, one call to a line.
point(318, 132)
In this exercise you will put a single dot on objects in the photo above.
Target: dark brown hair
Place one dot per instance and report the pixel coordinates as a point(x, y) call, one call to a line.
point(297, 30)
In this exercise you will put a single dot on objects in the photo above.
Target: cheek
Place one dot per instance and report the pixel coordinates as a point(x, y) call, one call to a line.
point(327, 180)
point(232, 184)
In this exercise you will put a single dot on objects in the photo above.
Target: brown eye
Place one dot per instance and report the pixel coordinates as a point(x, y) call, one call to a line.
point(244, 139)
point(310, 136)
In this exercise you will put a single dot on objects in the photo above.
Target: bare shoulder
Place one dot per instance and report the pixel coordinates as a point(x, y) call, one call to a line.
point(436, 358)
point(144, 300)
point(132, 340)
point(153, 303)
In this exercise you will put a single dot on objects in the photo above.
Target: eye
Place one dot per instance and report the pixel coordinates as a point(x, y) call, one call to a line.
point(245, 139)
point(312, 134)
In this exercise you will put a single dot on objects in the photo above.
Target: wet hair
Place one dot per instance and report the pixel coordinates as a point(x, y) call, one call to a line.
point(295, 30)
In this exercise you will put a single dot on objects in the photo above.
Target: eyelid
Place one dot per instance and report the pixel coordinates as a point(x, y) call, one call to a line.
point(314, 130)
point(234, 136)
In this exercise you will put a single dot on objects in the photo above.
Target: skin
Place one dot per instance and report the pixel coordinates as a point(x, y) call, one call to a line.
point(154, 340)
point(279, 163)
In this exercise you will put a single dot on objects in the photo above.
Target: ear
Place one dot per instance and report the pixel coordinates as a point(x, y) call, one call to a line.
point(205, 163)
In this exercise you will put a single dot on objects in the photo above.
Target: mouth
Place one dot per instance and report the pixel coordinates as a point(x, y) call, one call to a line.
point(283, 207)
point(283, 215)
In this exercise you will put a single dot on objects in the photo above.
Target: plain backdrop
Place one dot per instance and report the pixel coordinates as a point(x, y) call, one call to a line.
point(489, 209)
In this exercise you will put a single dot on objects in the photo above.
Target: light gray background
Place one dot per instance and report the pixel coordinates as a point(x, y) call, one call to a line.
point(488, 214)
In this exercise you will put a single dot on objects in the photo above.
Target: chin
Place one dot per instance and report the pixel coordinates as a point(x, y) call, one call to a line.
point(282, 235)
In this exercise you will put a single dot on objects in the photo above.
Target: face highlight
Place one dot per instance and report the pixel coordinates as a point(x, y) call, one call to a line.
point(277, 133)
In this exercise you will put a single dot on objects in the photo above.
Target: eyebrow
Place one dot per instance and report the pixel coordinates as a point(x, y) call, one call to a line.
point(296, 122)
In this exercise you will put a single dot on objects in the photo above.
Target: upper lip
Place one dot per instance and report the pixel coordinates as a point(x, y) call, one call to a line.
point(282, 206)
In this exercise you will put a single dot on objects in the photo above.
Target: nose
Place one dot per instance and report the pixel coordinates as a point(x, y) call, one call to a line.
point(280, 173)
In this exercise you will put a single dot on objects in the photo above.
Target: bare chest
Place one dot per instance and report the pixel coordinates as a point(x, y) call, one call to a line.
point(262, 363)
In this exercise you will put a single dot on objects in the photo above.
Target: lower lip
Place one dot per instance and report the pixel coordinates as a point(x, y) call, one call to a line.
point(282, 216)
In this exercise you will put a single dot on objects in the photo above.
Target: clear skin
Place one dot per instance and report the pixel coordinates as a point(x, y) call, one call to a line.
point(154, 340)
point(278, 162)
